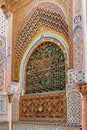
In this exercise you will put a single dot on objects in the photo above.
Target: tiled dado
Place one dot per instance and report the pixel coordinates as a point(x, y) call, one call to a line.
point(29, 127)
point(4, 126)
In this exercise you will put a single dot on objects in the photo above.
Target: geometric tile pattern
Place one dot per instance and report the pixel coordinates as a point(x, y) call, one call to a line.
point(74, 107)
point(3, 128)
point(15, 109)
point(61, 128)
point(78, 42)
point(27, 127)
point(3, 108)
point(44, 128)
point(2, 105)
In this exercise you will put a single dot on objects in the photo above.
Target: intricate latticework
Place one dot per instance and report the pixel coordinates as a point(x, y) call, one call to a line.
point(45, 70)
point(74, 107)
point(39, 17)
point(43, 108)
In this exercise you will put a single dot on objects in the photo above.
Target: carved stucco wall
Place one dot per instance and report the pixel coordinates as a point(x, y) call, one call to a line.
point(20, 19)
point(21, 14)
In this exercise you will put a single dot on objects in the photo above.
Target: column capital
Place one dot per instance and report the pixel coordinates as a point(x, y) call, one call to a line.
point(83, 89)
point(10, 96)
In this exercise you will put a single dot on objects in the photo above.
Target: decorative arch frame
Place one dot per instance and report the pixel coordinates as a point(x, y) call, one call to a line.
point(53, 6)
point(58, 25)
point(62, 28)
point(45, 36)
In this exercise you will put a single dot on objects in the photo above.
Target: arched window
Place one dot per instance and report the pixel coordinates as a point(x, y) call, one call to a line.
point(45, 74)
point(45, 71)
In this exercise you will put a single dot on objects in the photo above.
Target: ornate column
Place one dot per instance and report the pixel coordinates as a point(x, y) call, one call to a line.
point(10, 96)
point(83, 90)
point(84, 12)
point(8, 35)
point(78, 42)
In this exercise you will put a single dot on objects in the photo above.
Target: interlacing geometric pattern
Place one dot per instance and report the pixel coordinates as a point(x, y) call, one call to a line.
point(74, 107)
point(45, 71)
point(43, 108)
point(39, 18)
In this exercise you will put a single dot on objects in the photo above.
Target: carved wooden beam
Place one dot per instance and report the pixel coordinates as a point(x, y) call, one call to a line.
point(83, 89)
